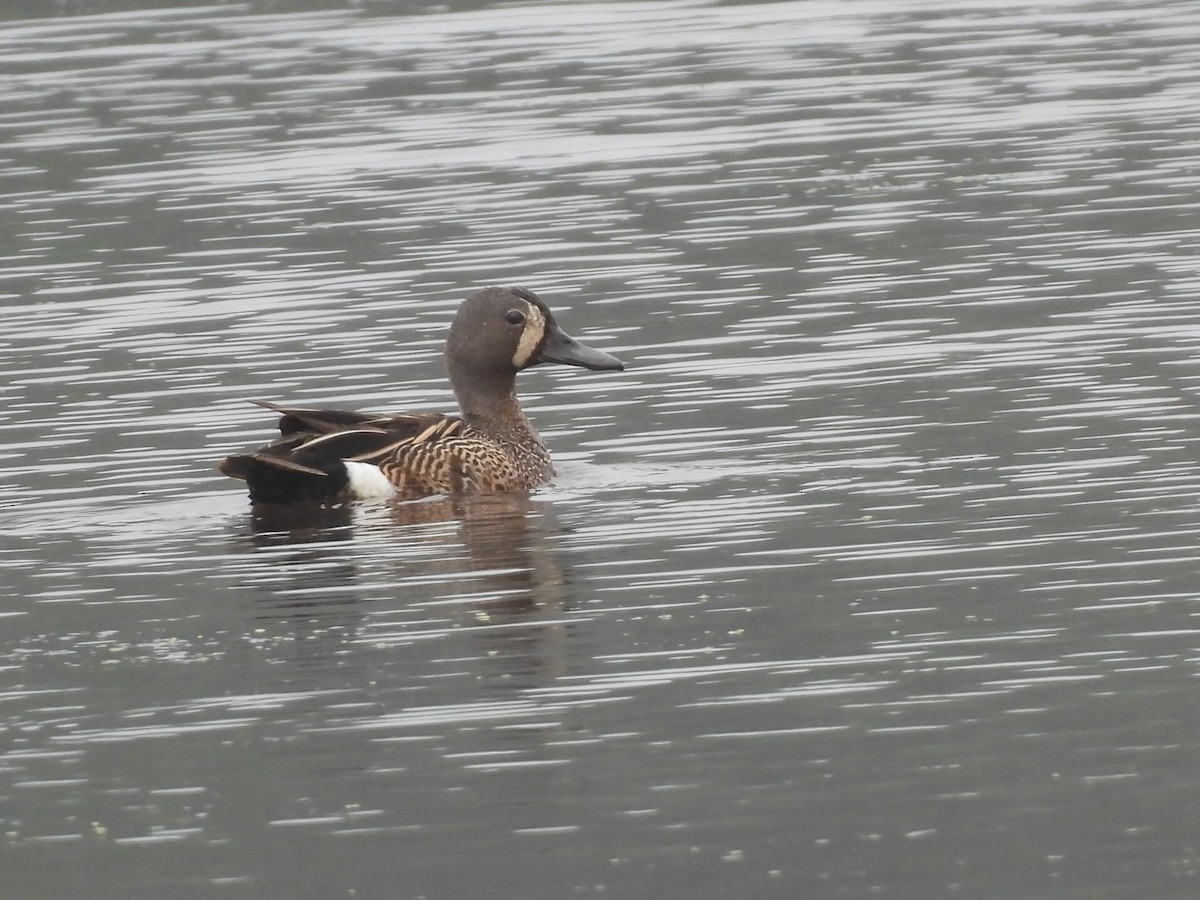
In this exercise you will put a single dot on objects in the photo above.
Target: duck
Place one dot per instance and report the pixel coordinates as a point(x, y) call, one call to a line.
point(490, 447)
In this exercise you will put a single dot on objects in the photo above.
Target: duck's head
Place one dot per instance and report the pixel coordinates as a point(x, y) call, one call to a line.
point(499, 331)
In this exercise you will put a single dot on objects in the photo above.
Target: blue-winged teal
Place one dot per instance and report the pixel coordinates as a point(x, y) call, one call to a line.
point(492, 447)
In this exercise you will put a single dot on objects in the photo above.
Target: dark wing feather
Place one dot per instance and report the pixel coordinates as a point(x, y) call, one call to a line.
point(368, 445)
point(307, 460)
point(296, 419)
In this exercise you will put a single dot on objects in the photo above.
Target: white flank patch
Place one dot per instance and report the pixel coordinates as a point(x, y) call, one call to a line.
point(367, 481)
point(535, 327)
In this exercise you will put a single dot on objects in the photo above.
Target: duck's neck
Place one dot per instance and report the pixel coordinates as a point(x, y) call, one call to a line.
point(491, 406)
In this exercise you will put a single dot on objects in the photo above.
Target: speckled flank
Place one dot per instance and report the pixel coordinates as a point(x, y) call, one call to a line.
point(454, 458)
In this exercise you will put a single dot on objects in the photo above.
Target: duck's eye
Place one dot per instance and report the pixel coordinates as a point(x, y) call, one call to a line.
point(515, 317)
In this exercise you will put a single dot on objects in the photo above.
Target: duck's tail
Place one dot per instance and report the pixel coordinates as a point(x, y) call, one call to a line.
point(274, 479)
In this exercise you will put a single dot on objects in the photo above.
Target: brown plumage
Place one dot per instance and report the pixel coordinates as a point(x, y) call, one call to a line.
point(491, 447)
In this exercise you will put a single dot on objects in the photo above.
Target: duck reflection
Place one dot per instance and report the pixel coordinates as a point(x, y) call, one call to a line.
point(283, 524)
point(332, 576)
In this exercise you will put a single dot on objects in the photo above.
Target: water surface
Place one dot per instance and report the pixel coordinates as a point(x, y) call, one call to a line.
point(873, 575)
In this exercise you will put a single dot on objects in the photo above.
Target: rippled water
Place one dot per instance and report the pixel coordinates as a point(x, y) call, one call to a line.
point(874, 575)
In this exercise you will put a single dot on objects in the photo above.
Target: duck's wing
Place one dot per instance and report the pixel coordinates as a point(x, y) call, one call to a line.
point(298, 419)
point(308, 460)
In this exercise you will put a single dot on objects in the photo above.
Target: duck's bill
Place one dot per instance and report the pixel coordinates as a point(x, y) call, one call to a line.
point(560, 347)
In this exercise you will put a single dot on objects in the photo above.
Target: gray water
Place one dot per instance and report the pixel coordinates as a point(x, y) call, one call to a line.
point(874, 575)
